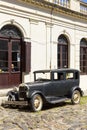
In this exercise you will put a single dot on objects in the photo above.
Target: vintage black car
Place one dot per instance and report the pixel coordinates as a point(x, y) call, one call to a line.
point(49, 86)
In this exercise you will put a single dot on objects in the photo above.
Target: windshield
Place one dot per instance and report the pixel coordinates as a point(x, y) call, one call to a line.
point(43, 76)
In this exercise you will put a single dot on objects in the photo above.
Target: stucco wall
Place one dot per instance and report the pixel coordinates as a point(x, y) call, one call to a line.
point(43, 29)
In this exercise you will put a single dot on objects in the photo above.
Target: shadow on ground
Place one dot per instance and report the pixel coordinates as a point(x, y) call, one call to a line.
point(46, 107)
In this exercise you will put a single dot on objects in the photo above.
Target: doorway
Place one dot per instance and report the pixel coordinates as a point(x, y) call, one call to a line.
point(10, 54)
point(9, 62)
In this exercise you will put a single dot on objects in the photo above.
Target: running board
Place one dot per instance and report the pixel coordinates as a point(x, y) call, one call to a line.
point(55, 100)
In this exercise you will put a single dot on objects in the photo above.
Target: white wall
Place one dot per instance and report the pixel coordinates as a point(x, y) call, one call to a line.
point(75, 5)
point(43, 32)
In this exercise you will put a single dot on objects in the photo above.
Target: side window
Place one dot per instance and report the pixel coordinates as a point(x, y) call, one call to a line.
point(60, 76)
point(55, 76)
point(76, 75)
point(69, 75)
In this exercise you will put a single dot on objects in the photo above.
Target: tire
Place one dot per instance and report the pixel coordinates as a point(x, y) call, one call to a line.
point(75, 99)
point(36, 103)
point(12, 98)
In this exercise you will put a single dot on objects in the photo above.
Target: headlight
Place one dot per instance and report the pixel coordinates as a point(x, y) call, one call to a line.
point(27, 94)
point(15, 89)
point(24, 87)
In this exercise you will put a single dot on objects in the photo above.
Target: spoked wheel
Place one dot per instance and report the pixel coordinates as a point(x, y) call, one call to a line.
point(75, 97)
point(36, 103)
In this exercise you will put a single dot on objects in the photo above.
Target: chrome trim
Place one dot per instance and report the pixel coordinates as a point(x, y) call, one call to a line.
point(23, 84)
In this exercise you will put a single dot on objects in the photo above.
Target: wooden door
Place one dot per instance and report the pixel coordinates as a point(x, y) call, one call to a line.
point(14, 62)
point(9, 62)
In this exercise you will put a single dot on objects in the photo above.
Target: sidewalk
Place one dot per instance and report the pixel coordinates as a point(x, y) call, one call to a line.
point(3, 93)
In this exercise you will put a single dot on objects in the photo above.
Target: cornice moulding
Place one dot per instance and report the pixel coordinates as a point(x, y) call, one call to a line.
point(55, 8)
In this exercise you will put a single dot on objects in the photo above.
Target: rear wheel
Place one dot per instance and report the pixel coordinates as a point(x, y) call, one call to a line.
point(75, 97)
point(36, 103)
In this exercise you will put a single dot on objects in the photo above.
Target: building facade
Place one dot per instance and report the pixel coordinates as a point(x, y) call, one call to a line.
point(36, 34)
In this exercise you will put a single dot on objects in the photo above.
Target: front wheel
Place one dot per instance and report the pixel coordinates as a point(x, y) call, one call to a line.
point(75, 99)
point(11, 98)
point(36, 103)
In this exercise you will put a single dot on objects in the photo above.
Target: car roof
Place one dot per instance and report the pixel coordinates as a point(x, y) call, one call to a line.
point(56, 70)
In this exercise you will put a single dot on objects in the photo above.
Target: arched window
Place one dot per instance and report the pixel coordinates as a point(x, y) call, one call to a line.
point(10, 48)
point(83, 56)
point(62, 52)
point(10, 31)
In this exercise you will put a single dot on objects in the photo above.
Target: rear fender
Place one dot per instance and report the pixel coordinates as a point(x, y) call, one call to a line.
point(75, 88)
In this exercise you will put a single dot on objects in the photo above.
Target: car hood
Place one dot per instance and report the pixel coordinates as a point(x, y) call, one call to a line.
point(33, 84)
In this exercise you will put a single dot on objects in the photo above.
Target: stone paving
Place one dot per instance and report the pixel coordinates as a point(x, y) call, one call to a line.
point(57, 117)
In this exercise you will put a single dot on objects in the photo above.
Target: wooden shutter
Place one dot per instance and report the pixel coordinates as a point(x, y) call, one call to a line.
point(26, 57)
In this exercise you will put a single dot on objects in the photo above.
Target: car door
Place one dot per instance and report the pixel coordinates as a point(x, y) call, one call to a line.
point(69, 81)
point(58, 84)
point(72, 80)
point(50, 87)
point(56, 87)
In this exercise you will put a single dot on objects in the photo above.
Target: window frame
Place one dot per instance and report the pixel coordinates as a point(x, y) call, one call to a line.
point(83, 59)
point(62, 45)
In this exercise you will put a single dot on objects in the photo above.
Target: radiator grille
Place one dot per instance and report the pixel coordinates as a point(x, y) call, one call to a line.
point(22, 92)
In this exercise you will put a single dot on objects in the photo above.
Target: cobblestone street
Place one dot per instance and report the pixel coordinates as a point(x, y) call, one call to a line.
point(59, 117)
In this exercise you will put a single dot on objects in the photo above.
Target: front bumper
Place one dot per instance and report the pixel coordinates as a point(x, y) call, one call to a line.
point(16, 103)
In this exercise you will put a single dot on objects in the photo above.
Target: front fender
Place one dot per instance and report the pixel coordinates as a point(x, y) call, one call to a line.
point(36, 92)
point(12, 95)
